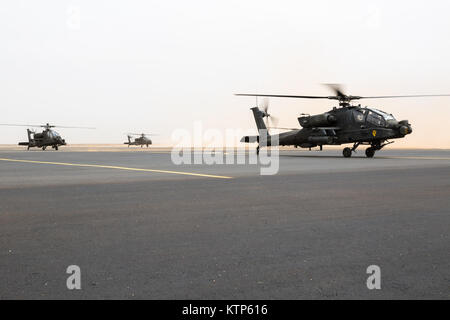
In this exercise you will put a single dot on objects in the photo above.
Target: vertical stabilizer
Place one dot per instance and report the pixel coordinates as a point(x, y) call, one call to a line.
point(29, 132)
point(258, 114)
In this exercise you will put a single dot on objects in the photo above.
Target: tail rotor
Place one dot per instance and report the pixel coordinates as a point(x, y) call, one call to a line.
point(270, 120)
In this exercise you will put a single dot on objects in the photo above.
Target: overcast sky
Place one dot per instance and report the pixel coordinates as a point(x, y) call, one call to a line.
point(156, 66)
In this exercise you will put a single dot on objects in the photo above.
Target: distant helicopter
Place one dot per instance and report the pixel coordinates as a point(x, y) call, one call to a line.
point(344, 125)
point(46, 138)
point(141, 140)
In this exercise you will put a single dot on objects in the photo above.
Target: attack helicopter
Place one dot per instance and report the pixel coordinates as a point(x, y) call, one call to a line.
point(141, 140)
point(346, 124)
point(46, 138)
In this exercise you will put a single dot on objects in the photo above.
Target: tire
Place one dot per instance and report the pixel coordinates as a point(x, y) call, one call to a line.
point(370, 152)
point(347, 152)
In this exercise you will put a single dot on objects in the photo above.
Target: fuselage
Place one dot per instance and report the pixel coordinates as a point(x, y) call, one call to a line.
point(46, 138)
point(140, 141)
point(344, 125)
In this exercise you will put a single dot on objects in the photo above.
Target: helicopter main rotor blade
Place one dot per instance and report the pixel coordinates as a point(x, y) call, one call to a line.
point(44, 126)
point(146, 134)
point(408, 96)
point(284, 96)
point(19, 125)
point(338, 97)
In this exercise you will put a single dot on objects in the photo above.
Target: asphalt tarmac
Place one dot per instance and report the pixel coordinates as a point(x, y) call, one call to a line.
point(141, 227)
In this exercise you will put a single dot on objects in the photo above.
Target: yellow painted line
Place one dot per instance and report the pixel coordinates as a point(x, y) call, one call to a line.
point(118, 168)
point(414, 158)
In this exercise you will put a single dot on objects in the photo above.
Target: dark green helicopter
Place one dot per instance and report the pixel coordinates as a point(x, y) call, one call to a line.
point(344, 125)
point(46, 138)
point(141, 140)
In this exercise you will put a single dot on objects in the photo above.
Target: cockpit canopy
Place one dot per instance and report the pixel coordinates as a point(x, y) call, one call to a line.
point(373, 117)
point(383, 114)
point(53, 134)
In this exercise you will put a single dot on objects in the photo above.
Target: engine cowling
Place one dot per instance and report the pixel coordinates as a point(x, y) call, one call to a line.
point(319, 120)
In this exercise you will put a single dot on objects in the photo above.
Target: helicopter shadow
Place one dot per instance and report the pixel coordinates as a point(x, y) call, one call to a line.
point(322, 156)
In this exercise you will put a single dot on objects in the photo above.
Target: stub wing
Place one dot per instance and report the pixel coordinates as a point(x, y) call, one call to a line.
point(326, 128)
point(250, 139)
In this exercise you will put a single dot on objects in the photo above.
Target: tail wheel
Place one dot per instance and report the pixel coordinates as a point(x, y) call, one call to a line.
point(370, 152)
point(347, 152)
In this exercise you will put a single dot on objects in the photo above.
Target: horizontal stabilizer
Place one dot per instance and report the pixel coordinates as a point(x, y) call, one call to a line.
point(280, 128)
point(250, 139)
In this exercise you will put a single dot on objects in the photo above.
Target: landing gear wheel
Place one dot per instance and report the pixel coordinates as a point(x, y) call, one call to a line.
point(56, 148)
point(43, 148)
point(370, 152)
point(347, 152)
point(257, 150)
